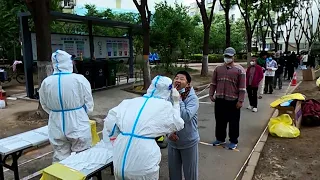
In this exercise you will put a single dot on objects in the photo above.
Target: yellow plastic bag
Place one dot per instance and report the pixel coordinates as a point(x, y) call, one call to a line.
point(281, 126)
point(318, 82)
point(295, 96)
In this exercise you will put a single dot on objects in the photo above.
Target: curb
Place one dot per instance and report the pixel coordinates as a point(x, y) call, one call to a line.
point(253, 158)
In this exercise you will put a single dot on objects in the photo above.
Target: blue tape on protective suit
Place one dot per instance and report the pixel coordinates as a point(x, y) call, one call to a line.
point(134, 128)
point(65, 110)
point(136, 136)
point(113, 130)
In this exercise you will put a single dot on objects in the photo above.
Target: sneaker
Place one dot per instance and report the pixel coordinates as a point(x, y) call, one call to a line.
point(249, 107)
point(254, 109)
point(232, 146)
point(218, 143)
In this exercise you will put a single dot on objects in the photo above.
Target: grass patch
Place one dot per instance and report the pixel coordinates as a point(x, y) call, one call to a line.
point(170, 71)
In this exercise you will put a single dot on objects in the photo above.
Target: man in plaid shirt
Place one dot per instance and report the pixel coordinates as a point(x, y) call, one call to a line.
point(229, 87)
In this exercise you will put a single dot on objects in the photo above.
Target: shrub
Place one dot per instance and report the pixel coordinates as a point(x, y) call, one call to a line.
point(212, 58)
point(216, 58)
point(162, 69)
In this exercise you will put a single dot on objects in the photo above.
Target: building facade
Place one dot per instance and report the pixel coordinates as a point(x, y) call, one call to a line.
point(234, 12)
point(77, 6)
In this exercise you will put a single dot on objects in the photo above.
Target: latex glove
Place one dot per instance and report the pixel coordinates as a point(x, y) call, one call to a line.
point(175, 95)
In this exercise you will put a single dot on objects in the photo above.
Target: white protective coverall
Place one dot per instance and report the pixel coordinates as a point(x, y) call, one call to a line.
point(67, 98)
point(136, 123)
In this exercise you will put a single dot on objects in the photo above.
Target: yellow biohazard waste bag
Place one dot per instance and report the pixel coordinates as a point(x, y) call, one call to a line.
point(318, 82)
point(58, 171)
point(281, 126)
point(295, 96)
point(95, 136)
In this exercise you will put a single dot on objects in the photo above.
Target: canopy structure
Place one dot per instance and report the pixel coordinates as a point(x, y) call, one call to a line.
point(72, 18)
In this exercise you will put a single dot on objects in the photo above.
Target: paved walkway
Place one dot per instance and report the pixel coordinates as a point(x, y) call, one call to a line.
point(214, 163)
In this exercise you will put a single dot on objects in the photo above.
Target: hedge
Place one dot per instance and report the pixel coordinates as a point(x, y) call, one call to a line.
point(214, 58)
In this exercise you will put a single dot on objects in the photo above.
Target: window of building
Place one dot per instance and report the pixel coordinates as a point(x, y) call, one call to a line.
point(233, 17)
point(209, 1)
point(68, 3)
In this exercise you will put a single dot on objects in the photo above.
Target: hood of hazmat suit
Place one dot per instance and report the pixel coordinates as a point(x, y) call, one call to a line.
point(136, 123)
point(67, 98)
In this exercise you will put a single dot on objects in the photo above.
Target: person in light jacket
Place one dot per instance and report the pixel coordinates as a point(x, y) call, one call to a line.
point(271, 67)
point(183, 145)
point(254, 76)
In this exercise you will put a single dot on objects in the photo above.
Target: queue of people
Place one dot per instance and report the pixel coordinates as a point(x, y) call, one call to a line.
point(135, 123)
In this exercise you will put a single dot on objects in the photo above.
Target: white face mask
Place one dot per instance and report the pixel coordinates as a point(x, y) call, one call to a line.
point(252, 63)
point(228, 60)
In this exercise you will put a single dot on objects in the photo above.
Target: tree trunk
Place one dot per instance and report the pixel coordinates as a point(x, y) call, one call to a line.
point(228, 26)
point(146, 51)
point(40, 10)
point(276, 46)
point(286, 45)
point(249, 48)
point(298, 46)
point(204, 68)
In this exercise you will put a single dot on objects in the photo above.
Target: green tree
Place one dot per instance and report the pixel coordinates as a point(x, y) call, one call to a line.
point(145, 15)
point(251, 11)
point(171, 30)
point(206, 21)
point(9, 23)
point(218, 35)
point(238, 35)
point(40, 11)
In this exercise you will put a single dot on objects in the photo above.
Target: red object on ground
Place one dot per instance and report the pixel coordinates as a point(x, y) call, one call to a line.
point(2, 95)
point(294, 79)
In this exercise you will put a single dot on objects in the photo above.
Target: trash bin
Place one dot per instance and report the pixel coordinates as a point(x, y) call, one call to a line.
point(85, 68)
point(111, 67)
point(99, 74)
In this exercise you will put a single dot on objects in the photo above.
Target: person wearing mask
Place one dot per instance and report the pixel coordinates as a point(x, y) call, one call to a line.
point(67, 98)
point(271, 67)
point(183, 150)
point(262, 63)
point(254, 76)
point(279, 72)
point(135, 123)
point(227, 90)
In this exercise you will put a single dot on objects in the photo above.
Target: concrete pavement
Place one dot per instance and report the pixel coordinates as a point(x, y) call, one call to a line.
point(214, 163)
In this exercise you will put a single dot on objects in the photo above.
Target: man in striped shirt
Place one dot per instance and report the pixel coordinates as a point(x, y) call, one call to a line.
point(228, 90)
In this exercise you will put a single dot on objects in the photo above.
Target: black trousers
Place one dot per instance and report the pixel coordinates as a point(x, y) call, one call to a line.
point(290, 73)
point(253, 96)
point(278, 80)
point(227, 112)
point(268, 84)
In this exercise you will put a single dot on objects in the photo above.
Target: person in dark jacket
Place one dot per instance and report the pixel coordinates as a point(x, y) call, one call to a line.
point(75, 70)
point(254, 76)
point(291, 61)
point(279, 72)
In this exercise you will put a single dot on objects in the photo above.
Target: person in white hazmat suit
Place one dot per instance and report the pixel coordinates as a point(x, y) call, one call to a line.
point(67, 98)
point(136, 123)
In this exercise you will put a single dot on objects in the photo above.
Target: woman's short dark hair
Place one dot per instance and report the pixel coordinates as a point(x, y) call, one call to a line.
point(188, 77)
